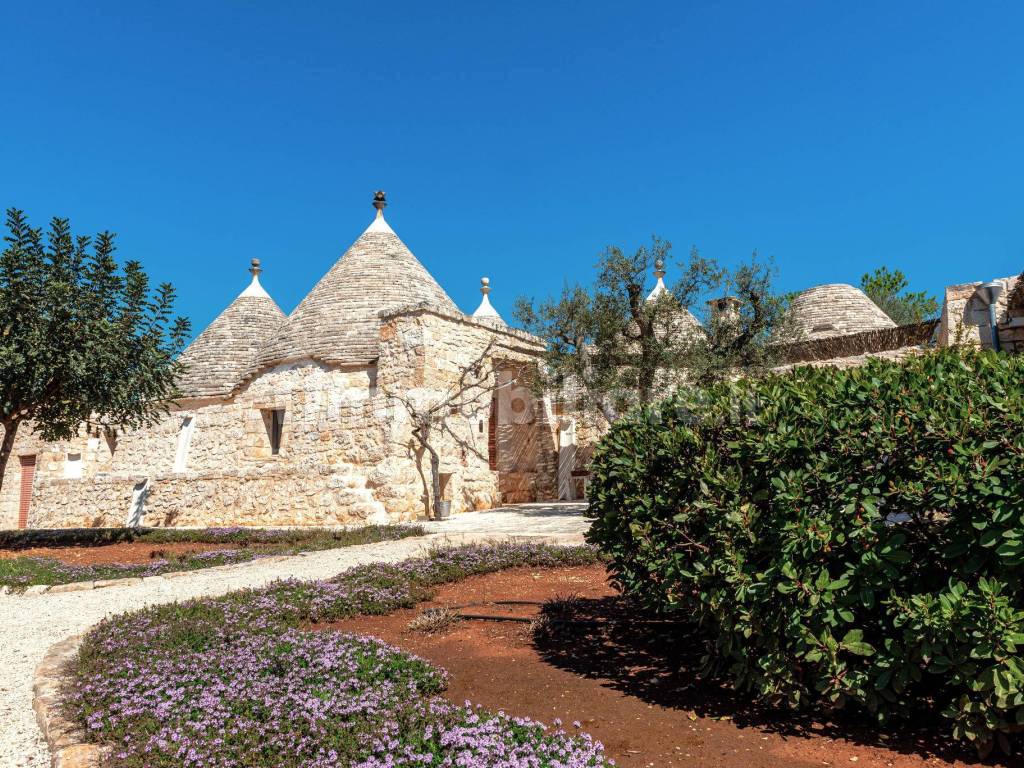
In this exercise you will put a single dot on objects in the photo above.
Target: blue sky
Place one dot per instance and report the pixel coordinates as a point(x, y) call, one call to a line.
point(518, 139)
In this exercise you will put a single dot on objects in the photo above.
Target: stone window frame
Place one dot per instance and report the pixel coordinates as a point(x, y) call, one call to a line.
point(274, 426)
point(183, 447)
point(276, 430)
point(73, 467)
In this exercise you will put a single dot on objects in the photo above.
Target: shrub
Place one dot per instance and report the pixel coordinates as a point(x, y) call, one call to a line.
point(854, 537)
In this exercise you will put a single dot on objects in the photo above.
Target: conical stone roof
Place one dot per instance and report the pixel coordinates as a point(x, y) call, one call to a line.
point(221, 355)
point(836, 310)
point(338, 322)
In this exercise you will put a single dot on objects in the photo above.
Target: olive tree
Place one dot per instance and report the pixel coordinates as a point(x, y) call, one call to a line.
point(616, 342)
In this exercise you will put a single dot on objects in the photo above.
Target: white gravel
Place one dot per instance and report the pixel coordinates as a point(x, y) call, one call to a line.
point(30, 624)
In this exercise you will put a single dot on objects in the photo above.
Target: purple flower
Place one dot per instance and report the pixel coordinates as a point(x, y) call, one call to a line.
point(238, 680)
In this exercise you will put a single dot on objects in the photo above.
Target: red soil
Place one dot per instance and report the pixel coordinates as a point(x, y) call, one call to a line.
point(628, 683)
point(111, 554)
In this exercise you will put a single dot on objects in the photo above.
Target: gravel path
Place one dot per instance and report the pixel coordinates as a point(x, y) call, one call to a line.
point(29, 625)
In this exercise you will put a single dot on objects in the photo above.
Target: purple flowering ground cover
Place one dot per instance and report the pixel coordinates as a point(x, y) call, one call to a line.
point(243, 680)
point(240, 545)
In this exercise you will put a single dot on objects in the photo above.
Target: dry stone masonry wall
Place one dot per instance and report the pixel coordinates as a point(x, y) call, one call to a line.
point(346, 455)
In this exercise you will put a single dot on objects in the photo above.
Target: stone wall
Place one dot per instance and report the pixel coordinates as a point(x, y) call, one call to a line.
point(422, 355)
point(230, 475)
point(965, 316)
point(855, 361)
point(277, 496)
point(347, 452)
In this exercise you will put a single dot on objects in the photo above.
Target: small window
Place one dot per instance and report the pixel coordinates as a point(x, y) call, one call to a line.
point(73, 466)
point(274, 421)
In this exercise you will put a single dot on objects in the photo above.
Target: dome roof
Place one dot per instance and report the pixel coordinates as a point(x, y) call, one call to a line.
point(836, 310)
point(219, 357)
point(338, 322)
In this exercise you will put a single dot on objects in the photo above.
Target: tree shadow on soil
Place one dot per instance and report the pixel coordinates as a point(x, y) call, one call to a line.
point(658, 662)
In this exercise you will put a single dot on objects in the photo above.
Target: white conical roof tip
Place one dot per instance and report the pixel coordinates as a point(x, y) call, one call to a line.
point(659, 288)
point(255, 289)
point(380, 202)
point(486, 311)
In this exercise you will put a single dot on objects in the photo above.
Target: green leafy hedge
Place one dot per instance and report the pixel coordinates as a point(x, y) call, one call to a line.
point(855, 537)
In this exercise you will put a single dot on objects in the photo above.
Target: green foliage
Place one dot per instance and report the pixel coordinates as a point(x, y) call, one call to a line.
point(851, 537)
point(81, 340)
point(613, 347)
point(888, 290)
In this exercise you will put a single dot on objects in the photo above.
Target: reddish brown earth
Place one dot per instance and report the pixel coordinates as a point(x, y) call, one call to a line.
point(112, 554)
point(629, 682)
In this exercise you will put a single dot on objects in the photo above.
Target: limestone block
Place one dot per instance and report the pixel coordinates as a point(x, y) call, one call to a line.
point(77, 586)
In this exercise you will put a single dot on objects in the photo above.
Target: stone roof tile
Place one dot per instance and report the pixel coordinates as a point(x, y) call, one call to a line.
point(836, 310)
point(338, 322)
point(221, 355)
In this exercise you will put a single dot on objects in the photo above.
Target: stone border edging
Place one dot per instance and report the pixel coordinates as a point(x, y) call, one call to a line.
point(68, 748)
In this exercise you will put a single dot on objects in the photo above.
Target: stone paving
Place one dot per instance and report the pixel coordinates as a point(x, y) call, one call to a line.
point(30, 624)
point(550, 519)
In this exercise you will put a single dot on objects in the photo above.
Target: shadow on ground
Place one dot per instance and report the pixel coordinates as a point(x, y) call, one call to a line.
point(659, 662)
point(567, 510)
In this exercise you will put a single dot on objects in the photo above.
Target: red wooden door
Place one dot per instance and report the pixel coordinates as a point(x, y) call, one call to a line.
point(28, 474)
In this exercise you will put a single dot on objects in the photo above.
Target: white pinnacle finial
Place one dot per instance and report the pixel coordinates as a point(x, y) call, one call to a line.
point(485, 311)
point(255, 289)
point(380, 202)
point(659, 288)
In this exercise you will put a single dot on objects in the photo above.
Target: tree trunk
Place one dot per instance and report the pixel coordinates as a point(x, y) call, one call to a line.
point(646, 376)
point(435, 469)
point(435, 479)
point(422, 433)
point(7, 447)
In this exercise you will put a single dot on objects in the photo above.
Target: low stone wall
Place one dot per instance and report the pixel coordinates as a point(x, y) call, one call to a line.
point(276, 497)
point(1011, 332)
point(68, 743)
point(855, 361)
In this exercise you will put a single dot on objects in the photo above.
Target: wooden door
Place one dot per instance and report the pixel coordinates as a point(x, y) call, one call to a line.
point(28, 474)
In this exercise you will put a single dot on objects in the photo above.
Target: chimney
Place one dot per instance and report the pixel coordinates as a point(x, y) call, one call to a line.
point(725, 308)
